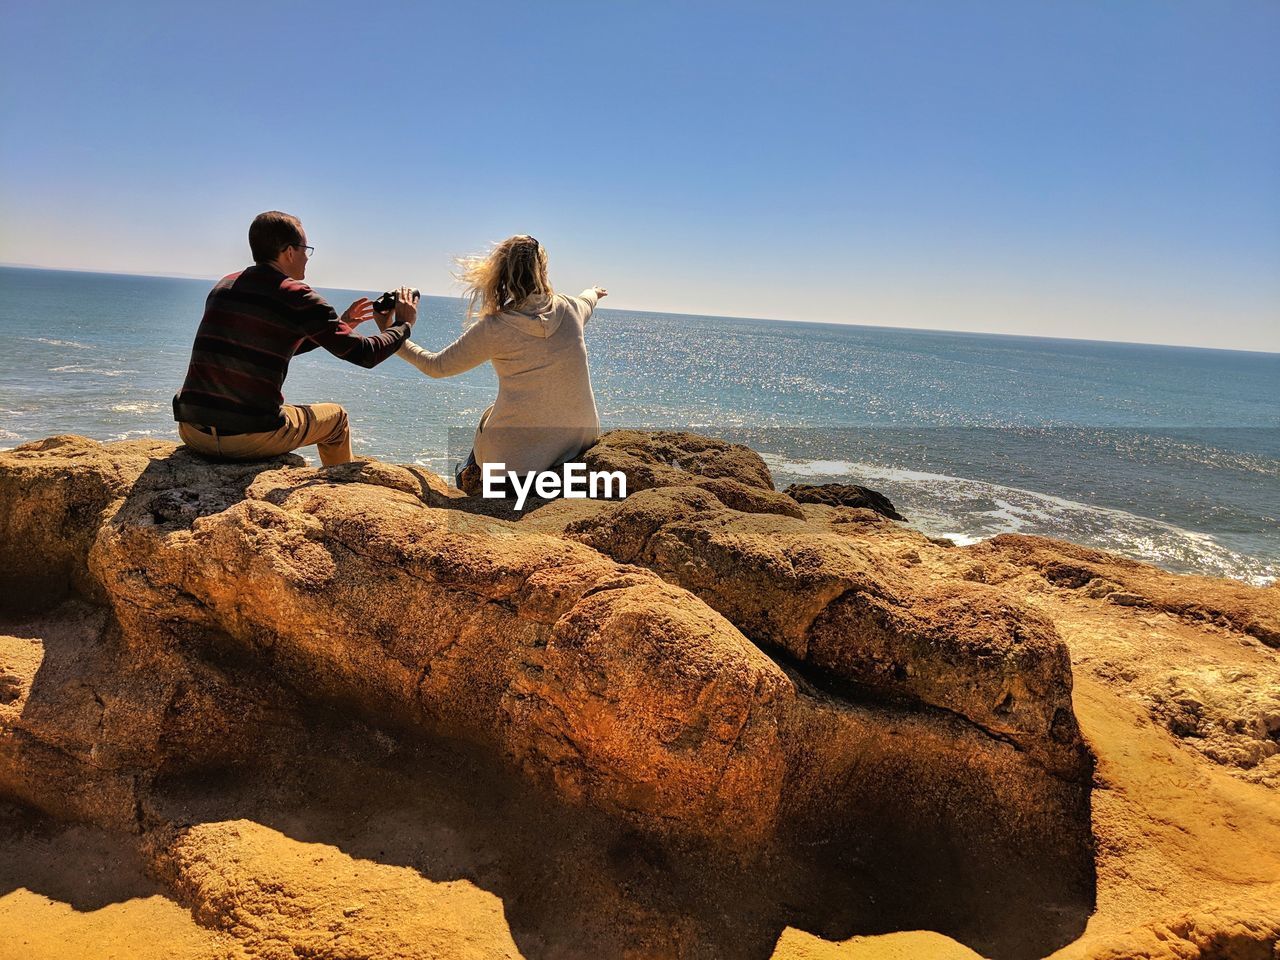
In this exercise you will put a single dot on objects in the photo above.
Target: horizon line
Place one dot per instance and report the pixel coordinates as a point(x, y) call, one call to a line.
point(705, 316)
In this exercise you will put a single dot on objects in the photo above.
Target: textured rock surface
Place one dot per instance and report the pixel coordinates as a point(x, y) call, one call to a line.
point(1207, 600)
point(1237, 932)
point(735, 475)
point(91, 722)
point(319, 709)
point(1192, 651)
point(582, 670)
point(843, 495)
point(856, 616)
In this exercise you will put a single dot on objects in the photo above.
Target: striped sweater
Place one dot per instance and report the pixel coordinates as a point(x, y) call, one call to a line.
point(254, 322)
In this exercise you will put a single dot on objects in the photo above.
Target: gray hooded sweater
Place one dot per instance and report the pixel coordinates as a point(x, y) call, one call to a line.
point(545, 411)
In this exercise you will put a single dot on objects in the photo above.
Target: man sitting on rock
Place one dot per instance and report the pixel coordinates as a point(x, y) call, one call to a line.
point(231, 406)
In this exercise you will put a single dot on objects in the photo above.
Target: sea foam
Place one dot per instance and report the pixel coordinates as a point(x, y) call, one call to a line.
point(966, 511)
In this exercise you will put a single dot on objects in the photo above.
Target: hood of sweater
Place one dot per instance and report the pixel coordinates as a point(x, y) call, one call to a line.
point(536, 316)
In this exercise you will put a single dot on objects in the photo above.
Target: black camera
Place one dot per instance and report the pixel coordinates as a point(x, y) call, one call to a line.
point(387, 301)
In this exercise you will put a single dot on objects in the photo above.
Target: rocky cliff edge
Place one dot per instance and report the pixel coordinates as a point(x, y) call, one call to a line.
point(730, 721)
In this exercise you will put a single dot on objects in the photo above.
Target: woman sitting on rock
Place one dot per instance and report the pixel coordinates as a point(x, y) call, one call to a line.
point(545, 412)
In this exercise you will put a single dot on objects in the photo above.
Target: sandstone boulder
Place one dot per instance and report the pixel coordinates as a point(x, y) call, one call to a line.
point(366, 588)
point(453, 625)
point(860, 620)
point(734, 474)
point(708, 662)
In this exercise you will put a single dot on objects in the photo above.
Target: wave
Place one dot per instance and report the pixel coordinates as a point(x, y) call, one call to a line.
point(967, 511)
point(63, 343)
point(82, 368)
point(442, 466)
point(132, 434)
point(141, 406)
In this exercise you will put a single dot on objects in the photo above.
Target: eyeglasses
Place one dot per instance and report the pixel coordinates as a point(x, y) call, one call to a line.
point(303, 246)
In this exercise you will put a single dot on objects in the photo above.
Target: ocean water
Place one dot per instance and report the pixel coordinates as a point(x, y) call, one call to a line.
point(1167, 454)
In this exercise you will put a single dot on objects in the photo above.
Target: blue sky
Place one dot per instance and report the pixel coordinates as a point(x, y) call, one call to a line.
point(1081, 169)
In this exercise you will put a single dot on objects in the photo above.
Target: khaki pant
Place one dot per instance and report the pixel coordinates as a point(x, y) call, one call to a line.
point(324, 424)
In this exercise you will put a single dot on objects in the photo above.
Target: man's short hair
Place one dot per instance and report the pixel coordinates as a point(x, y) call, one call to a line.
point(271, 232)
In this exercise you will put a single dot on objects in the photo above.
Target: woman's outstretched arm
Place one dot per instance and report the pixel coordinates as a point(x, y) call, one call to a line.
point(469, 350)
point(589, 298)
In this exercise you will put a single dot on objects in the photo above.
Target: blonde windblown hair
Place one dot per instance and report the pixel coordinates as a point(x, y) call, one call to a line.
point(513, 271)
